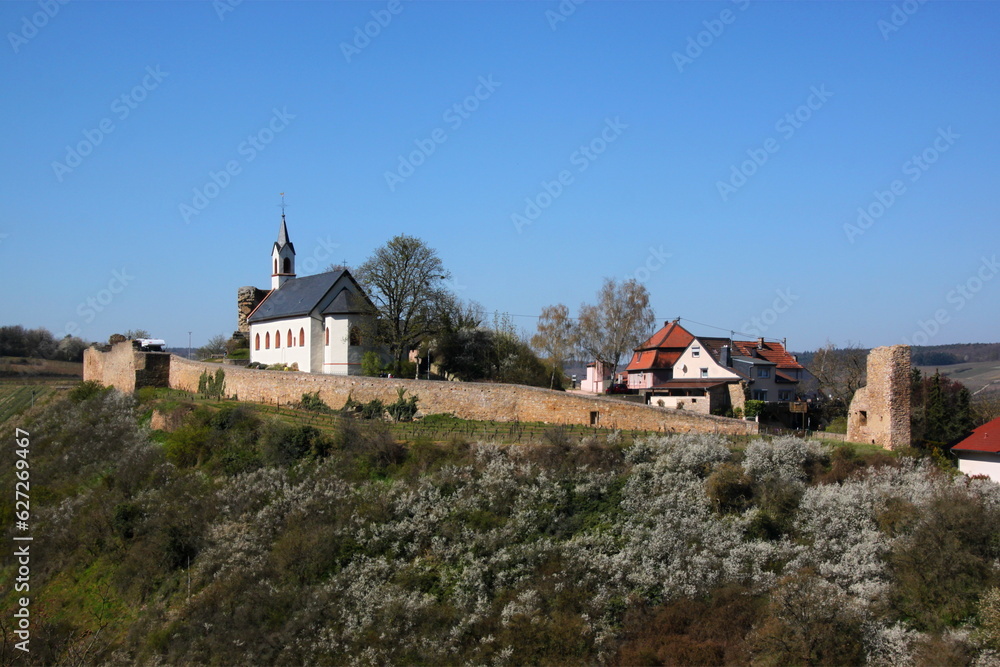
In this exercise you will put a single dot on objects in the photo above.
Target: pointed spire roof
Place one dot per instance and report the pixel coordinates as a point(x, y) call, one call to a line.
point(283, 236)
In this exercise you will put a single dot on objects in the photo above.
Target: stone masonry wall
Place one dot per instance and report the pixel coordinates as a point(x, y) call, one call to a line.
point(880, 411)
point(497, 402)
point(125, 369)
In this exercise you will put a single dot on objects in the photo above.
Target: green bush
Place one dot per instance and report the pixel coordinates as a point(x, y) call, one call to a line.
point(212, 386)
point(753, 408)
point(87, 390)
point(371, 364)
point(403, 409)
point(373, 409)
point(314, 403)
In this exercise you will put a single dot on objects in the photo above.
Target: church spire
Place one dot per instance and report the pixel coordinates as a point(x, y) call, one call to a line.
point(282, 254)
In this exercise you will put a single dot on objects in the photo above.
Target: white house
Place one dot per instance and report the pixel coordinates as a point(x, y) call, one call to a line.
point(979, 454)
point(313, 323)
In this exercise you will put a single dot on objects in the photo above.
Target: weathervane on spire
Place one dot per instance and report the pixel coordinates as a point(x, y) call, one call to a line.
point(282, 205)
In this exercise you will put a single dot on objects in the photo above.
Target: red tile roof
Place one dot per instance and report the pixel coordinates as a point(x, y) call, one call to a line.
point(986, 438)
point(672, 335)
point(771, 351)
point(653, 359)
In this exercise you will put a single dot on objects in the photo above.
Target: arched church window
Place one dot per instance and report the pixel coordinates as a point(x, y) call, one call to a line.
point(327, 336)
point(354, 337)
point(276, 265)
point(291, 343)
point(302, 337)
point(277, 339)
point(267, 340)
point(287, 266)
point(256, 342)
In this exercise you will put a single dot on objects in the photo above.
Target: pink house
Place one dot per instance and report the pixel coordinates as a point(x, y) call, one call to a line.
point(598, 378)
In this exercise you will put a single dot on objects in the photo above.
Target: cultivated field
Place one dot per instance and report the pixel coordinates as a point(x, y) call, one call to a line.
point(974, 375)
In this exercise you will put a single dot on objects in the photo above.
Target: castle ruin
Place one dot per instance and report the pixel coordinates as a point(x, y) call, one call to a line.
point(880, 411)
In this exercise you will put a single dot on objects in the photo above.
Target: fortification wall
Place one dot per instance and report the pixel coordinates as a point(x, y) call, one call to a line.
point(125, 369)
point(880, 411)
point(498, 402)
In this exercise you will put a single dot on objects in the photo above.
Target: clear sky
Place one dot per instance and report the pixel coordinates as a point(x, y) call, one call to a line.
point(719, 152)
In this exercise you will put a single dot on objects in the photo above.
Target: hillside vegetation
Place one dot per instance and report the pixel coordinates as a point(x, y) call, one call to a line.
point(241, 539)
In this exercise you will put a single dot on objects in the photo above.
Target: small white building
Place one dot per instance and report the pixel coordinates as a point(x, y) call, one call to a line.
point(979, 454)
point(314, 323)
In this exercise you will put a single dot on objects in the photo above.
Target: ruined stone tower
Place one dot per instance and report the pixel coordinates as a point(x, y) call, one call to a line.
point(880, 411)
point(247, 298)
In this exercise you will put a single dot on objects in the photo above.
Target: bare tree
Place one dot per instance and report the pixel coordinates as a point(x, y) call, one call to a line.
point(621, 319)
point(840, 371)
point(403, 279)
point(556, 337)
point(135, 334)
point(215, 345)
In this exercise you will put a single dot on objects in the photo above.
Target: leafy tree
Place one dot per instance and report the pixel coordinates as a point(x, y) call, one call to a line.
point(134, 334)
point(403, 279)
point(371, 365)
point(621, 319)
point(556, 337)
point(941, 410)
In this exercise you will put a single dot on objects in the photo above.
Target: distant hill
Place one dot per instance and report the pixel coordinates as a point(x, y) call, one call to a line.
point(939, 355)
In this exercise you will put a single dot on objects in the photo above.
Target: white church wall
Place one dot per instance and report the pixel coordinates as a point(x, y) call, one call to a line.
point(279, 352)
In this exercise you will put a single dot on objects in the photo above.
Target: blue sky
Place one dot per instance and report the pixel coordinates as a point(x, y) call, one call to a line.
point(718, 152)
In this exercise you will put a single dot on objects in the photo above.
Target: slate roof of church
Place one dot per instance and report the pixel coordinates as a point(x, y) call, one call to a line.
point(298, 297)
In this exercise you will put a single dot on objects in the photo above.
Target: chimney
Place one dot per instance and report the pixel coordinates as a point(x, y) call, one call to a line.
point(760, 343)
point(724, 356)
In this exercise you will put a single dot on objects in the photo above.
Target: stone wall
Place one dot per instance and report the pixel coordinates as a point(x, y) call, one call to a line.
point(499, 402)
point(880, 411)
point(126, 369)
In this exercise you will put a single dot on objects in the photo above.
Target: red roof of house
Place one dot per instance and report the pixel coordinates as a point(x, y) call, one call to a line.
point(770, 351)
point(653, 359)
point(672, 335)
point(986, 438)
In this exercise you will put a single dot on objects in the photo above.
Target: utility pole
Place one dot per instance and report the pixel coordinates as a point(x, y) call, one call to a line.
point(189, 344)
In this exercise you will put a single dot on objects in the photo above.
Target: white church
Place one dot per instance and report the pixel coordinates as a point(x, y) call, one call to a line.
point(313, 323)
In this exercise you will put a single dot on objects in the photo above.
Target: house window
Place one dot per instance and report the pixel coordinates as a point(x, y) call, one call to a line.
point(302, 337)
point(327, 336)
point(695, 351)
point(704, 372)
point(256, 342)
point(760, 394)
point(277, 339)
point(785, 395)
point(267, 340)
point(289, 339)
point(763, 372)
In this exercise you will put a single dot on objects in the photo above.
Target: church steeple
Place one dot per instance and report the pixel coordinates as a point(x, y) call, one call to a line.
point(282, 254)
